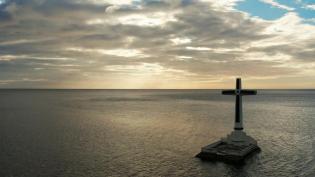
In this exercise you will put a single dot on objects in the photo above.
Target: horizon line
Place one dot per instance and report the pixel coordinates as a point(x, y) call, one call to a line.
point(150, 88)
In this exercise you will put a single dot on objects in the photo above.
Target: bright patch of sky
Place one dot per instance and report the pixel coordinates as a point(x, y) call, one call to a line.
point(275, 9)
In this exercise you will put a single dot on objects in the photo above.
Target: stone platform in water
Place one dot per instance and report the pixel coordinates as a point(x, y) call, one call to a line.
point(235, 148)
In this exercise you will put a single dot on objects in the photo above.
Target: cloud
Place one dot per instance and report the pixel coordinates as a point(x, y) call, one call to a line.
point(115, 52)
point(180, 41)
point(309, 6)
point(22, 41)
point(151, 20)
point(222, 4)
point(149, 44)
point(5, 82)
point(277, 5)
point(16, 57)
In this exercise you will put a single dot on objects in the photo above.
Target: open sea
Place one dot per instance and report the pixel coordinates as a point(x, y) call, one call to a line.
point(104, 133)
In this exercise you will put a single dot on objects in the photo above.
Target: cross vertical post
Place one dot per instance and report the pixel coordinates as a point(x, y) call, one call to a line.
point(238, 92)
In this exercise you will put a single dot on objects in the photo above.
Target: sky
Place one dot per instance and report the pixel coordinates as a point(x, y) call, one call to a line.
point(157, 44)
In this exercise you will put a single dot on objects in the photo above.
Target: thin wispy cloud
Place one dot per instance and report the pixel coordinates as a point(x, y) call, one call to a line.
point(278, 5)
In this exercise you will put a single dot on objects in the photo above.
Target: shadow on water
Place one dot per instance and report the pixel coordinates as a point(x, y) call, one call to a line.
point(241, 169)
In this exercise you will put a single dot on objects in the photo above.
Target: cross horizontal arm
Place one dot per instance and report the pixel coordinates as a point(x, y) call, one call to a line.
point(242, 92)
point(249, 92)
point(228, 92)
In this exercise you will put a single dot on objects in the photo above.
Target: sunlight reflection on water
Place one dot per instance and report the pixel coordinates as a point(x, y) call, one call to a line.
point(150, 133)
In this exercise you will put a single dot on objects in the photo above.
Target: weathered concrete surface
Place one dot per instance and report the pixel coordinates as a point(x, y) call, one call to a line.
point(235, 148)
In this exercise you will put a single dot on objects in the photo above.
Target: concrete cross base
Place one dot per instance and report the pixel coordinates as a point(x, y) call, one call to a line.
point(232, 149)
point(238, 137)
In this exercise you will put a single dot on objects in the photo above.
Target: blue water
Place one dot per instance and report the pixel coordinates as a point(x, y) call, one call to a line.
point(83, 133)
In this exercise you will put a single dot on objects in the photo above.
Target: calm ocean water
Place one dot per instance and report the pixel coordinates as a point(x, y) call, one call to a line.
point(83, 133)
